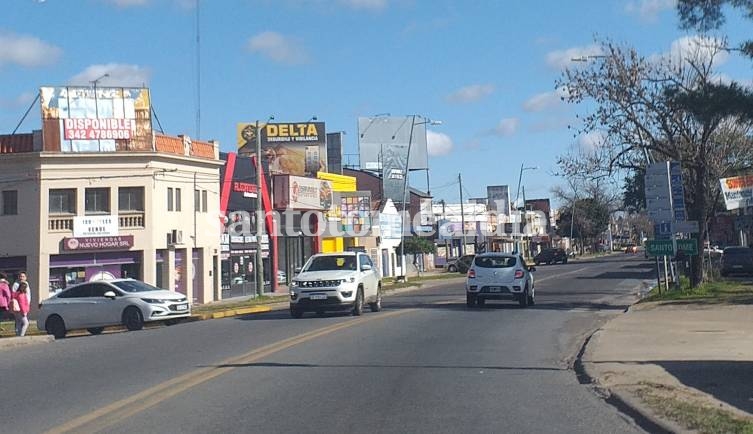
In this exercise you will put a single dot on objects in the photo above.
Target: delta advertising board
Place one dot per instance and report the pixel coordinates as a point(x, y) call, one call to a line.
point(101, 119)
point(298, 149)
point(737, 191)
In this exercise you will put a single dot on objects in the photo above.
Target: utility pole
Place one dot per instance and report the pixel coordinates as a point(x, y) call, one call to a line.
point(462, 216)
point(259, 217)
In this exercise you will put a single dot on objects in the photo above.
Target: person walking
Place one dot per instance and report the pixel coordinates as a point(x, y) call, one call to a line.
point(5, 296)
point(22, 278)
point(20, 307)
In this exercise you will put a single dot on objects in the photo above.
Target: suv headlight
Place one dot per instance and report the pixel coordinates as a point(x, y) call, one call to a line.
point(294, 284)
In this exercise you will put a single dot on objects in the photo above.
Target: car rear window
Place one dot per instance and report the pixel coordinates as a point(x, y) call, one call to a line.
point(495, 261)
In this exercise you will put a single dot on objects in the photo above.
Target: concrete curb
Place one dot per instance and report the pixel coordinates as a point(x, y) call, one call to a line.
point(17, 341)
point(623, 402)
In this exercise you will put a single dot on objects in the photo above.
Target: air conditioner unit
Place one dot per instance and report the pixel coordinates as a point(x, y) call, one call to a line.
point(175, 237)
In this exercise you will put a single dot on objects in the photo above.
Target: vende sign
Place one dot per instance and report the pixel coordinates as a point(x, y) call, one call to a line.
point(98, 243)
point(737, 191)
point(98, 129)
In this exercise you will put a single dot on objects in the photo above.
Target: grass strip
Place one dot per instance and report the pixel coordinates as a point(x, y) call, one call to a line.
point(693, 415)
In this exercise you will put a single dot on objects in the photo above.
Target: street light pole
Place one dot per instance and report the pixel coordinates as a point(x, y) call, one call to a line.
point(517, 195)
point(406, 171)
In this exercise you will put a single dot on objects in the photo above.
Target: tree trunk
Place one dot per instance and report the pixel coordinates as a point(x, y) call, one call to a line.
point(701, 214)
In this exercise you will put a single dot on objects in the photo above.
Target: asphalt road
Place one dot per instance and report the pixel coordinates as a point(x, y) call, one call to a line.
point(425, 364)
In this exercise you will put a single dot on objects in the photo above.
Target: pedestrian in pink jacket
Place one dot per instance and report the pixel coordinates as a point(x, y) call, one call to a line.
point(5, 295)
point(21, 308)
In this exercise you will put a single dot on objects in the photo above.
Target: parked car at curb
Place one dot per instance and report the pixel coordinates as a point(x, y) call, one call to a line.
point(98, 304)
point(550, 256)
point(461, 264)
point(336, 282)
point(737, 260)
point(500, 276)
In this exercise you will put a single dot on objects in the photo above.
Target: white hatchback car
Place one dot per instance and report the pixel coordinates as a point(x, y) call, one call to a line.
point(95, 305)
point(499, 276)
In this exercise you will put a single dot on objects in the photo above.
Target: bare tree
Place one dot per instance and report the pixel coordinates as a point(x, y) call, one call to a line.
point(644, 110)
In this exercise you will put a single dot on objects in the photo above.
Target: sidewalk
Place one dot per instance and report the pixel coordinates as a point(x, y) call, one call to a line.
point(683, 365)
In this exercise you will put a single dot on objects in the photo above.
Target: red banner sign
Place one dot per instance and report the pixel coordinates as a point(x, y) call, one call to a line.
point(98, 129)
point(98, 243)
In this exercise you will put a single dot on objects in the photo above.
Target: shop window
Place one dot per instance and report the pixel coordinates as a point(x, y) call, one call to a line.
point(97, 201)
point(131, 199)
point(62, 201)
point(10, 202)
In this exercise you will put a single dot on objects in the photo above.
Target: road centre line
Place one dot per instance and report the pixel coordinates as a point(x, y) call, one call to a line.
point(535, 281)
point(109, 415)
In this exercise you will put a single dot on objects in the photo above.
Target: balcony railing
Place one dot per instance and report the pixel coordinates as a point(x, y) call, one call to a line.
point(135, 220)
point(60, 224)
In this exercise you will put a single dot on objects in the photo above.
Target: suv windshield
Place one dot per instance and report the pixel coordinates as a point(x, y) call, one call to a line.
point(738, 251)
point(134, 286)
point(334, 262)
point(495, 261)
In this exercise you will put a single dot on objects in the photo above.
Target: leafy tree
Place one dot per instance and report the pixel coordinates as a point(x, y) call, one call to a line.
point(633, 194)
point(645, 111)
point(591, 219)
point(706, 15)
point(416, 245)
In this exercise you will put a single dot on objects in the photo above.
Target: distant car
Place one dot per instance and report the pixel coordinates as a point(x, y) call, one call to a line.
point(461, 264)
point(499, 276)
point(550, 256)
point(631, 248)
point(98, 304)
point(737, 260)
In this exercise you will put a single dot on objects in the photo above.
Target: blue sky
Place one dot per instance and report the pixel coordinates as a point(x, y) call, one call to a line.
point(485, 68)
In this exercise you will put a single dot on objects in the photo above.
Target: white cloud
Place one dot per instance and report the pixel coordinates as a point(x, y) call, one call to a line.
point(119, 75)
point(438, 143)
point(21, 101)
point(648, 10)
point(590, 142)
point(278, 48)
point(546, 100)
point(506, 127)
point(700, 48)
point(27, 51)
point(373, 5)
point(561, 59)
point(470, 93)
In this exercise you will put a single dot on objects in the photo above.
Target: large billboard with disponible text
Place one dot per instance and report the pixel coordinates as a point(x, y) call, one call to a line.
point(298, 149)
point(102, 119)
point(378, 135)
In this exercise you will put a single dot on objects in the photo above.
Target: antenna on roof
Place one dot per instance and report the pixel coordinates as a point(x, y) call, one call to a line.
point(25, 114)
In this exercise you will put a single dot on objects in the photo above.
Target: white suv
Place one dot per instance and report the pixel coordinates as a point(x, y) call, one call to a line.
point(499, 276)
point(336, 281)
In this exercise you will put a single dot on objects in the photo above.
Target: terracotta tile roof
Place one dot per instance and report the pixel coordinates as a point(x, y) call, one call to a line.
point(170, 144)
point(202, 149)
point(11, 144)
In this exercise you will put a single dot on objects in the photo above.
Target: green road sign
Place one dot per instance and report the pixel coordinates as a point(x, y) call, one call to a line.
point(660, 248)
point(689, 246)
point(665, 247)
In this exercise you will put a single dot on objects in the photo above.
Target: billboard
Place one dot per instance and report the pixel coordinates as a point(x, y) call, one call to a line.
point(298, 149)
point(737, 191)
point(299, 193)
point(498, 197)
point(394, 173)
point(377, 135)
point(102, 119)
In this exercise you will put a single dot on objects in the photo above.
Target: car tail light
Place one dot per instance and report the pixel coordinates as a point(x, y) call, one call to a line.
point(518, 274)
point(471, 273)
